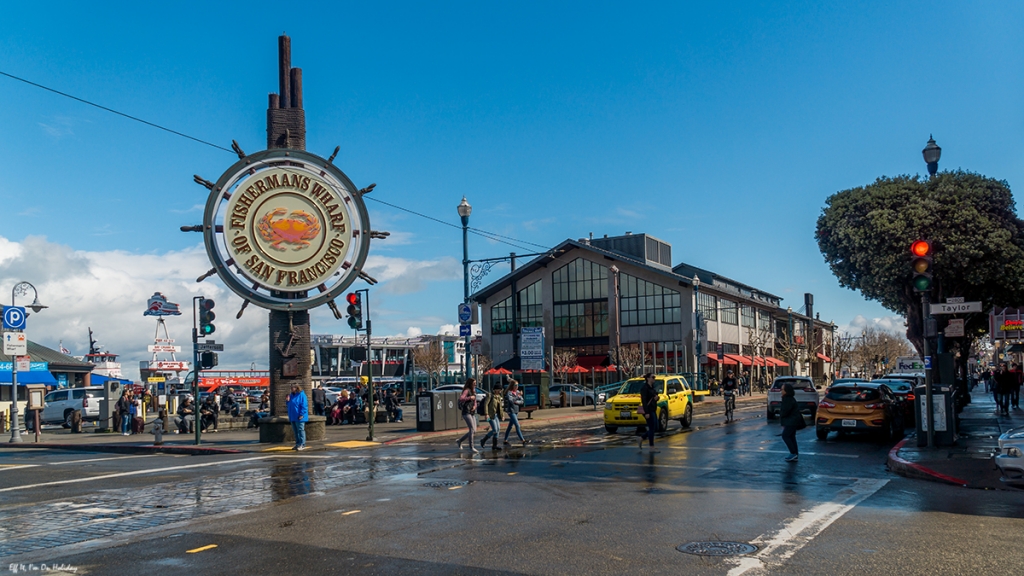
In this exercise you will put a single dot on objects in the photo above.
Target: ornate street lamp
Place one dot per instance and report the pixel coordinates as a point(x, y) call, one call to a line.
point(20, 289)
point(931, 154)
point(464, 211)
point(792, 368)
point(699, 324)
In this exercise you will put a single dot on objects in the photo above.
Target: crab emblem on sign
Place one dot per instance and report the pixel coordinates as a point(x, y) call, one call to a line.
point(297, 229)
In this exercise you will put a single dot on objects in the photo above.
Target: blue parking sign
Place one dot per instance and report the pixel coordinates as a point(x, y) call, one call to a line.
point(14, 318)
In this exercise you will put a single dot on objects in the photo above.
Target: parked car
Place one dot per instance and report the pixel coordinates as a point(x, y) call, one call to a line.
point(60, 404)
point(860, 407)
point(805, 392)
point(480, 394)
point(904, 390)
point(574, 395)
point(1011, 456)
point(675, 402)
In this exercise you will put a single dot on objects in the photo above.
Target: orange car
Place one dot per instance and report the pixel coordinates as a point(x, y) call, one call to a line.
point(860, 407)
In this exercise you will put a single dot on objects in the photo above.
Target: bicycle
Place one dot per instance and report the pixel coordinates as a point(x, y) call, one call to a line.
point(730, 404)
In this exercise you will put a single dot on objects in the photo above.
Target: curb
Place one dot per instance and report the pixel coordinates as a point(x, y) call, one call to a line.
point(130, 448)
point(912, 470)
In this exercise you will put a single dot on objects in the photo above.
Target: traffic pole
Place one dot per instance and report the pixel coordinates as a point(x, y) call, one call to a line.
point(928, 416)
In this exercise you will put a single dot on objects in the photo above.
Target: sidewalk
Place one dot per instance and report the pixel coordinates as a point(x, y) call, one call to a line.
point(336, 437)
point(970, 462)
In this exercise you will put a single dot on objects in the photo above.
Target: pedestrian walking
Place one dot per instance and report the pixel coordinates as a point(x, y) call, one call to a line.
point(467, 403)
point(791, 420)
point(1004, 385)
point(649, 409)
point(1015, 384)
point(298, 413)
point(513, 400)
point(495, 414)
point(319, 400)
point(124, 410)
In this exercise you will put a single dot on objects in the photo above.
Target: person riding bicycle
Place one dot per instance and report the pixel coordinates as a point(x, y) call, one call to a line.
point(729, 388)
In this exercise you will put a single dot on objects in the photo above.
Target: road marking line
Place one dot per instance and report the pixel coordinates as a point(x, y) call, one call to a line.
point(101, 459)
point(133, 473)
point(351, 512)
point(454, 487)
point(352, 444)
point(276, 449)
point(201, 548)
point(780, 546)
point(761, 451)
point(17, 466)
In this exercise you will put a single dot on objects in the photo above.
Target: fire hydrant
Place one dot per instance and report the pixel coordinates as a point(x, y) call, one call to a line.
point(158, 429)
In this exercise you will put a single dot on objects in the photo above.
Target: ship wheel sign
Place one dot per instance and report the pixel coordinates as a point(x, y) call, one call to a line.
point(286, 230)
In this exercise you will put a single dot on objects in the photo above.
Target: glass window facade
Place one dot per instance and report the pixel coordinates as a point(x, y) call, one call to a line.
point(531, 310)
point(644, 303)
point(708, 306)
point(729, 313)
point(747, 316)
point(764, 319)
point(580, 300)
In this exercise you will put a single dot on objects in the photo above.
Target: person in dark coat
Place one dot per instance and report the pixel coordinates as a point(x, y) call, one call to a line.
point(1004, 384)
point(649, 403)
point(319, 400)
point(791, 420)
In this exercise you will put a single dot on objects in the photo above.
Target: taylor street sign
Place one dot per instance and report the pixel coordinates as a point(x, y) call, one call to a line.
point(958, 308)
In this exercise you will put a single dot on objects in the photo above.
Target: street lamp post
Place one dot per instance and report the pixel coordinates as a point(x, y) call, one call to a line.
point(464, 211)
point(931, 155)
point(20, 289)
point(618, 321)
point(792, 368)
point(698, 325)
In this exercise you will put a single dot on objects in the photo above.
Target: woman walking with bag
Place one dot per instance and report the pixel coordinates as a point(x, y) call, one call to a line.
point(791, 420)
point(513, 400)
point(467, 403)
point(494, 415)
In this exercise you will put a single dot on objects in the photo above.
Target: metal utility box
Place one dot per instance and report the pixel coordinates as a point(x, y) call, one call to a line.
point(944, 430)
point(452, 413)
point(430, 415)
point(108, 405)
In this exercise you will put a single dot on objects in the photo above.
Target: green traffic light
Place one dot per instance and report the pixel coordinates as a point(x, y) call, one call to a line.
point(922, 283)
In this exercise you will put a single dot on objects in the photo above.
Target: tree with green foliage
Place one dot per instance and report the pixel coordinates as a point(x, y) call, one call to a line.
point(977, 240)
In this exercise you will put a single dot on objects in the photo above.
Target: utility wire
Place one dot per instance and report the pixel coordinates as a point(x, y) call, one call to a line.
point(112, 111)
point(477, 231)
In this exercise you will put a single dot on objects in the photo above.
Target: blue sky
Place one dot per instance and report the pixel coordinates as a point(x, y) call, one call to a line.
point(718, 128)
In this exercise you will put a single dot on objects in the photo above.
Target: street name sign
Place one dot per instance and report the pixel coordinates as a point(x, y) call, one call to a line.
point(209, 347)
point(14, 318)
point(956, 308)
point(15, 344)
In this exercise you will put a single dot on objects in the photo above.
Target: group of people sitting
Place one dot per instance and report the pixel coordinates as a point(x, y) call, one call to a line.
point(353, 407)
point(209, 412)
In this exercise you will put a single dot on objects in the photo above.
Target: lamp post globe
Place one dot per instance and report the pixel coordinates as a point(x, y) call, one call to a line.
point(931, 154)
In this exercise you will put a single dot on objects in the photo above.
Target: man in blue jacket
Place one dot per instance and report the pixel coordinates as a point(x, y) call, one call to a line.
point(298, 413)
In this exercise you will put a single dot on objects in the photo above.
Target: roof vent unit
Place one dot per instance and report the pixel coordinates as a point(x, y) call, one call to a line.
point(642, 247)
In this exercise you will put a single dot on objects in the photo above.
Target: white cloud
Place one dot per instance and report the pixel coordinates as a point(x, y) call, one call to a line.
point(404, 276)
point(893, 324)
point(108, 290)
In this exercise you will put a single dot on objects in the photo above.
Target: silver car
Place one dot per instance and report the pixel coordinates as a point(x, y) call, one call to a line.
point(1011, 456)
point(574, 395)
point(60, 404)
point(805, 393)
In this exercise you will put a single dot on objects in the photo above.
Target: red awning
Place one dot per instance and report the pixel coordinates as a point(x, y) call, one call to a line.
point(827, 359)
point(726, 360)
point(776, 362)
point(593, 361)
point(744, 360)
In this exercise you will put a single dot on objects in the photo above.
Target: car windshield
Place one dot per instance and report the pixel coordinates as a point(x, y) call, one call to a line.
point(632, 387)
point(898, 385)
point(853, 394)
point(797, 384)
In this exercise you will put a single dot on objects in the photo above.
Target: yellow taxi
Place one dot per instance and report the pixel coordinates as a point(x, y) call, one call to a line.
point(675, 402)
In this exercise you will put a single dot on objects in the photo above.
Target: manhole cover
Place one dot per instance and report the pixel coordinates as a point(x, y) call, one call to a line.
point(717, 548)
point(446, 483)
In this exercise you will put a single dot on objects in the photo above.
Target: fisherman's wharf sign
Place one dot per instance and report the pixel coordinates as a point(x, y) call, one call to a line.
point(286, 229)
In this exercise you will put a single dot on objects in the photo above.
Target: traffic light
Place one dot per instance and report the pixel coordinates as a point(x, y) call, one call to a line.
point(355, 310)
point(207, 360)
point(206, 317)
point(921, 250)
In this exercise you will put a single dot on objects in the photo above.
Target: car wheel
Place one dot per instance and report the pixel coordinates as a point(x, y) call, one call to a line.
point(67, 418)
point(821, 433)
point(687, 416)
point(771, 415)
point(611, 429)
point(663, 421)
point(588, 402)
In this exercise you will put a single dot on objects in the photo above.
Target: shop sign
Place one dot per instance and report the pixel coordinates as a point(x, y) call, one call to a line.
point(1012, 325)
point(32, 367)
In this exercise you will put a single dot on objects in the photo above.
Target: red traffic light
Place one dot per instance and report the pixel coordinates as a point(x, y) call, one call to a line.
point(921, 248)
point(352, 298)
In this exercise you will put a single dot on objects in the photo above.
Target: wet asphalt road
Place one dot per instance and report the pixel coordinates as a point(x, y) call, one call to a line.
point(574, 501)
